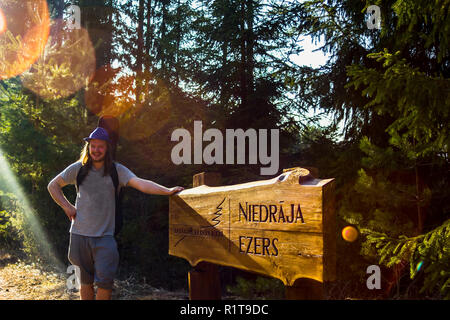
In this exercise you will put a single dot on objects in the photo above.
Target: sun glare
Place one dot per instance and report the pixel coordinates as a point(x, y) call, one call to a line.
point(2, 22)
point(26, 27)
point(8, 178)
point(68, 63)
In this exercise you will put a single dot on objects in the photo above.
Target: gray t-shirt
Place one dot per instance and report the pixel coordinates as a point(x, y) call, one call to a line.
point(95, 201)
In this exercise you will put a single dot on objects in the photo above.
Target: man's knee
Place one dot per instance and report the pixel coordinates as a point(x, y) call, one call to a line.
point(105, 284)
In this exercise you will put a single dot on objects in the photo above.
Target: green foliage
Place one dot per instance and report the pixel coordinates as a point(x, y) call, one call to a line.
point(422, 103)
point(404, 80)
point(9, 231)
point(425, 21)
point(428, 253)
point(143, 243)
point(33, 153)
point(259, 288)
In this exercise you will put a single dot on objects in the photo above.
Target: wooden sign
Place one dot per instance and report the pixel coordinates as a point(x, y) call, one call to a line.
point(283, 227)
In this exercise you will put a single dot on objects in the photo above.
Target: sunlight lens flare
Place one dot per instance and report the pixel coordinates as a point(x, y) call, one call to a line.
point(114, 92)
point(110, 92)
point(27, 24)
point(147, 117)
point(419, 266)
point(3, 25)
point(66, 65)
point(10, 182)
point(349, 233)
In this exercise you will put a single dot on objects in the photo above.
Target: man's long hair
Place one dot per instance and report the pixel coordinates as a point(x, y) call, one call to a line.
point(86, 160)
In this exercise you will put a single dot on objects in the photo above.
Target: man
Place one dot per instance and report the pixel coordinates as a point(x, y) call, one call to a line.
point(92, 245)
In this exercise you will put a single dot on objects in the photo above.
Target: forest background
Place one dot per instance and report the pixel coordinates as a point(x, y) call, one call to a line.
point(158, 65)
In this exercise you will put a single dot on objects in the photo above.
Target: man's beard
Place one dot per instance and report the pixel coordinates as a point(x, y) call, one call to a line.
point(98, 160)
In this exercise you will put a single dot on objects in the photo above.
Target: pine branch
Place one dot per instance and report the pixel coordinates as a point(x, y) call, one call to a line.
point(428, 253)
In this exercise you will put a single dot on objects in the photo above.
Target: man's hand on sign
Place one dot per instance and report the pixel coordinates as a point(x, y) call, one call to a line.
point(175, 190)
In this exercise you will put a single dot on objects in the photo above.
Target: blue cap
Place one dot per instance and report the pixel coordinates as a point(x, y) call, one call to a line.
point(99, 133)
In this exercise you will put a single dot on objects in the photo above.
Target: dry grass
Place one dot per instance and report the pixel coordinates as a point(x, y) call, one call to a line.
point(20, 280)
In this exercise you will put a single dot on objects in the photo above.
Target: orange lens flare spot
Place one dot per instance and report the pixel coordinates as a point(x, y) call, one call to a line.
point(27, 24)
point(349, 234)
point(3, 25)
point(113, 92)
point(110, 92)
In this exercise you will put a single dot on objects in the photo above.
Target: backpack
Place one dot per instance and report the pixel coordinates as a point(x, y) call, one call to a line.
point(83, 172)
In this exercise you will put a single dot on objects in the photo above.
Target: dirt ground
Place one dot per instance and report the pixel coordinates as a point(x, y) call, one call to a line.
point(20, 280)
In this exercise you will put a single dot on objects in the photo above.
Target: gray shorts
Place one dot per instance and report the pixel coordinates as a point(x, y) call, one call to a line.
point(97, 258)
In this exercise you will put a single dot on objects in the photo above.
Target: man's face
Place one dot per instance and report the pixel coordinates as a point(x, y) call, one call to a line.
point(97, 150)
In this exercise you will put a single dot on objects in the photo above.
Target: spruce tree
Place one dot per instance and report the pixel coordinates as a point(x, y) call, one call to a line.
point(390, 88)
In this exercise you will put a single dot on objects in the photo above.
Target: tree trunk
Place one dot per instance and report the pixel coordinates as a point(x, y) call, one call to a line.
point(149, 38)
point(250, 46)
point(140, 51)
point(162, 46)
point(243, 69)
point(178, 41)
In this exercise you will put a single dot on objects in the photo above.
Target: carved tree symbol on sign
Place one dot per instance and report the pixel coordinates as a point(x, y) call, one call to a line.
point(217, 214)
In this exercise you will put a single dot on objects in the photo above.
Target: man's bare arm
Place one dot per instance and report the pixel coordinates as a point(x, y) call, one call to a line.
point(150, 187)
point(55, 189)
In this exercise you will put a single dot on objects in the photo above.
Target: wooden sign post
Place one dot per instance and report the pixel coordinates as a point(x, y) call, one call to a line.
point(204, 280)
point(282, 227)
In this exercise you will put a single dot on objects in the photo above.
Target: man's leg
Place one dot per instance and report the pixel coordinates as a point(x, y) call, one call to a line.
point(87, 292)
point(103, 294)
point(80, 255)
point(106, 259)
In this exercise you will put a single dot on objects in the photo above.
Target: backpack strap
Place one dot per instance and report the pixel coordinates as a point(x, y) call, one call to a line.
point(118, 195)
point(82, 173)
point(115, 178)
